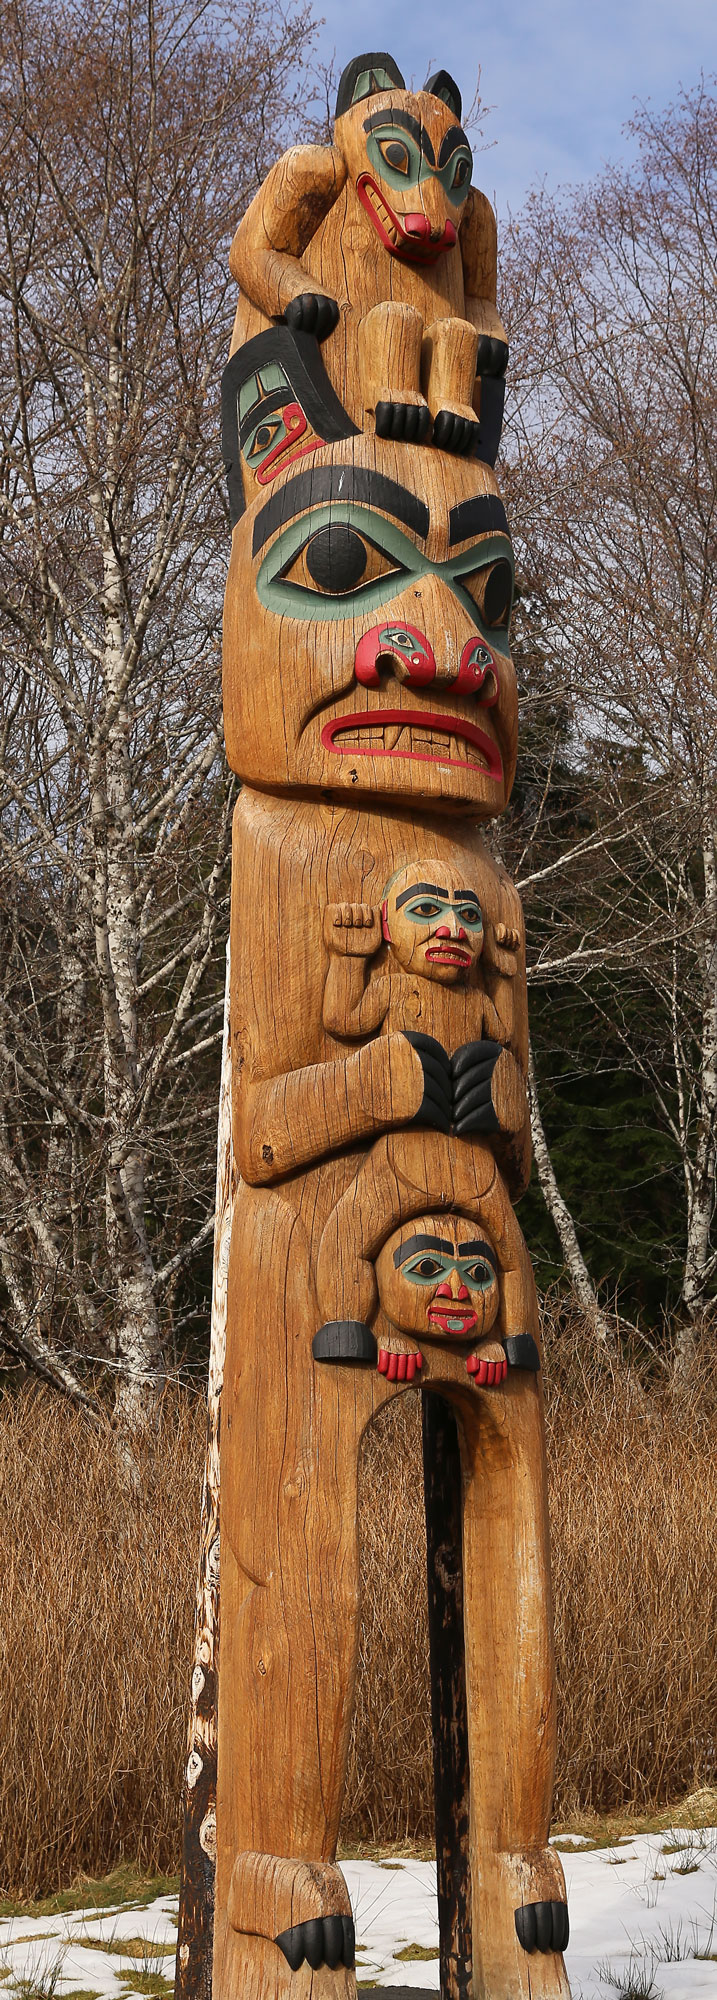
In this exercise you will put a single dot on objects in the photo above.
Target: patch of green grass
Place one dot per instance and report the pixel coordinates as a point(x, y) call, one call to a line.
point(414, 1951)
point(82, 1993)
point(146, 1949)
point(147, 1982)
point(124, 1888)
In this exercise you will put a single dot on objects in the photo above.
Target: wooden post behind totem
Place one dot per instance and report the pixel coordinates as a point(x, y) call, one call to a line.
point(378, 1051)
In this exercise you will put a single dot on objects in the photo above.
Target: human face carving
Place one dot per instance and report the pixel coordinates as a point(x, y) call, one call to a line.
point(355, 581)
point(433, 921)
point(438, 1279)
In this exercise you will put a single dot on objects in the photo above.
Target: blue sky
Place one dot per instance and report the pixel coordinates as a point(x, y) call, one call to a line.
point(562, 79)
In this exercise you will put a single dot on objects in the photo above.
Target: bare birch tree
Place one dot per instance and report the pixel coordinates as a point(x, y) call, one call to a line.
point(130, 140)
point(613, 468)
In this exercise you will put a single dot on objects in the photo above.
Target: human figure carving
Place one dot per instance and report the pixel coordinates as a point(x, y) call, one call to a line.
point(385, 217)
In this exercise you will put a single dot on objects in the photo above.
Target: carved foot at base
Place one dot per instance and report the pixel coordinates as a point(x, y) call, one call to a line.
point(291, 1919)
point(521, 1948)
point(543, 1926)
point(322, 1941)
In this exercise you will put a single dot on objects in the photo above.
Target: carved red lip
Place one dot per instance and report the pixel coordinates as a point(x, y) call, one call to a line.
point(413, 249)
point(406, 721)
point(448, 954)
point(441, 1314)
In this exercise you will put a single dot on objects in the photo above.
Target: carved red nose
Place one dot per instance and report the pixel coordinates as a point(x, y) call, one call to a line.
point(444, 930)
point(416, 225)
point(478, 673)
point(401, 647)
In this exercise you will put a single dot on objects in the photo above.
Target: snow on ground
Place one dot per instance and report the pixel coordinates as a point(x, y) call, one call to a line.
point(643, 1920)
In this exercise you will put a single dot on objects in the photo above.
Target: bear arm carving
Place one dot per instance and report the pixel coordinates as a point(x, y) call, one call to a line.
point(290, 1121)
point(279, 223)
point(479, 253)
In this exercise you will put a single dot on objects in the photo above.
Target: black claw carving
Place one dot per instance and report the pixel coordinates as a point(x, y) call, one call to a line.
point(435, 1108)
point(456, 434)
point(321, 1941)
point(345, 1340)
point(521, 1352)
point(347, 1925)
point(292, 1944)
point(543, 1926)
point(492, 357)
point(312, 313)
point(409, 421)
point(333, 1941)
point(471, 1072)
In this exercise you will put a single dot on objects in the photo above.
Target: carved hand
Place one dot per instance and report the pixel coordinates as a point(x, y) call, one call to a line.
point(352, 930)
point(313, 313)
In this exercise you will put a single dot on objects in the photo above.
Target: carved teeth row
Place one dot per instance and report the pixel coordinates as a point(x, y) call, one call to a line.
point(386, 737)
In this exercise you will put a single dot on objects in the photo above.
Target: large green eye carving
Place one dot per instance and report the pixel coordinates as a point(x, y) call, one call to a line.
point(395, 156)
point(461, 172)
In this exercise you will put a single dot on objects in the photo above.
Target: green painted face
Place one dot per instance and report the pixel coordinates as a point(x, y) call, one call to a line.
point(374, 563)
point(402, 156)
point(433, 1267)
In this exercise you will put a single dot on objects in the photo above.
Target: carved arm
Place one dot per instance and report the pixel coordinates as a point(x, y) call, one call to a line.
point(352, 1007)
point(285, 1122)
point(279, 223)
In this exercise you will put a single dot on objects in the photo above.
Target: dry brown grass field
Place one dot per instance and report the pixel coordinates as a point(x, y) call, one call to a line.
point(96, 1593)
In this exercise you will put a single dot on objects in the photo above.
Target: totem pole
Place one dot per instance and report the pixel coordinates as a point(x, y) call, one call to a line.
point(378, 1029)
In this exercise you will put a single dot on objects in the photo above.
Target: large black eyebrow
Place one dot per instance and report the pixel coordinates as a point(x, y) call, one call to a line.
point(421, 889)
point(339, 482)
point(483, 515)
point(450, 142)
point(476, 1248)
point(420, 1243)
point(409, 124)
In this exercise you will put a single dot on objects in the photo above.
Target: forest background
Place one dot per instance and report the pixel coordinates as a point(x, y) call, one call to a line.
point(131, 139)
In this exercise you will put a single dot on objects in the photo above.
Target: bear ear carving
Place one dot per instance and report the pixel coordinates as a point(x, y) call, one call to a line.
point(442, 85)
point(366, 75)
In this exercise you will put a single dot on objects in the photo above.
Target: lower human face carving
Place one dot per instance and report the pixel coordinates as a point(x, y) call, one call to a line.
point(438, 1278)
point(433, 921)
point(374, 657)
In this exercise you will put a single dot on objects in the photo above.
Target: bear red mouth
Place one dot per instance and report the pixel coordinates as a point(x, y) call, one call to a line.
point(401, 242)
point(424, 737)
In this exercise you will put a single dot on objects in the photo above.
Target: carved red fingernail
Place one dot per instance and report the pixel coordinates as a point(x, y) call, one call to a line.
point(410, 1367)
point(382, 1361)
point(392, 1367)
point(402, 1365)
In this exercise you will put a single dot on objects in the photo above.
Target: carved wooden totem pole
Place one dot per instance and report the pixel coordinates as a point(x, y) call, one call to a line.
point(378, 1041)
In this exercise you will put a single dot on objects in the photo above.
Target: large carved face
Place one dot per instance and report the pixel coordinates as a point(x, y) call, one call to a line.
point(433, 920)
point(408, 158)
point(366, 641)
point(437, 1278)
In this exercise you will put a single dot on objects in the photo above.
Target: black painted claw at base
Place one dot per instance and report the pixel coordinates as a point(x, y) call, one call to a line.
point(437, 1102)
point(321, 1941)
point(344, 1340)
point(543, 1926)
point(312, 313)
point(521, 1352)
point(459, 435)
point(409, 422)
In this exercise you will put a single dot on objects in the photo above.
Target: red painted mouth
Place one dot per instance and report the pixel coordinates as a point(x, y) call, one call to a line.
point(448, 954)
point(453, 1320)
point(413, 249)
point(424, 738)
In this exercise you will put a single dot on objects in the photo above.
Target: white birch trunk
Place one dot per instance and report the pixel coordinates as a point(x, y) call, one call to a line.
point(196, 1902)
point(560, 1215)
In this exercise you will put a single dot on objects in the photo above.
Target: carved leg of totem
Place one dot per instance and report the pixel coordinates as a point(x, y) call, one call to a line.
point(289, 1584)
point(517, 1882)
point(389, 343)
point(448, 374)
